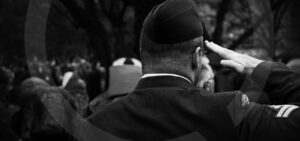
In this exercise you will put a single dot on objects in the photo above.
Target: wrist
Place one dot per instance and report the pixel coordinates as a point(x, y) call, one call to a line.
point(261, 72)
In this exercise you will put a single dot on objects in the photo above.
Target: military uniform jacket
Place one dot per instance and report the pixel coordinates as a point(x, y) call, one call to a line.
point(166, 107)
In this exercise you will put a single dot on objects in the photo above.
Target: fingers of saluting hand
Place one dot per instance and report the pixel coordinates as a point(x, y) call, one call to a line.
point(232, 64)
point(223, 52)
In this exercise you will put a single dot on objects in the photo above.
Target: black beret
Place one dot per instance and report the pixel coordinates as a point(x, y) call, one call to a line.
point(173, 21)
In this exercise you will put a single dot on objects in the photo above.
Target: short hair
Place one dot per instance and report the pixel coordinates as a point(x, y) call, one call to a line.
point(164, 56)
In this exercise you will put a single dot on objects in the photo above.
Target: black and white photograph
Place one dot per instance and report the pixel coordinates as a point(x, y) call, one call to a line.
point(149, 70)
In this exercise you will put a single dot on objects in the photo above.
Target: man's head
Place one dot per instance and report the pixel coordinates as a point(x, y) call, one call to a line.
point(172, 39)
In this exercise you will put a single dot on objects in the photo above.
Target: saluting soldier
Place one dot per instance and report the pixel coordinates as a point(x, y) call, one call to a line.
point(166, 104)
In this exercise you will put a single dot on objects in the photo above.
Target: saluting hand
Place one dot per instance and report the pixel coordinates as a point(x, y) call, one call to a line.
point(240, 62)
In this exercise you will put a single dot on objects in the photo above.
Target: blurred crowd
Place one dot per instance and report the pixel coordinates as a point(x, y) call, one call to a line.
point(31, 92)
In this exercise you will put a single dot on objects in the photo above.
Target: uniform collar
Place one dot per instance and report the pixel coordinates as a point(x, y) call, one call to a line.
point(165, 74)
point(163, 80)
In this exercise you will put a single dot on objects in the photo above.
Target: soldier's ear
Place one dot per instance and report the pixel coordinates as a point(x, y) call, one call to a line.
point(196, 59)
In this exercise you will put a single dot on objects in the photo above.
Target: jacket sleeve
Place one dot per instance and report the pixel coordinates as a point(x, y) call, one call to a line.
point(271, 122)
point(274, 122)
point(281, 84)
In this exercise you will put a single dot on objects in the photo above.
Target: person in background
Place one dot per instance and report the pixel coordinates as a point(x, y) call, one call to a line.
point(6, 133)
point(123, 77)
point(35, 122)
point(77, 88)
point(6, 80)
point(95, 80)
point(6, 110)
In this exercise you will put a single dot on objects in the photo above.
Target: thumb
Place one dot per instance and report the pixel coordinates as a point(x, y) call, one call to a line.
point(232, 64)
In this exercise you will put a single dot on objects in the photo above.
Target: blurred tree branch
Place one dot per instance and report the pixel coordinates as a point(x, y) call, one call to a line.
point(220, 18)
point(277, 6)
point(104, 22)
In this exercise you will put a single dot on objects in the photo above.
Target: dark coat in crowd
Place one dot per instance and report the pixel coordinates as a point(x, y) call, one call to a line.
point(6, 132)
point(78, 94)
point(167, 107)
point(38, 103)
